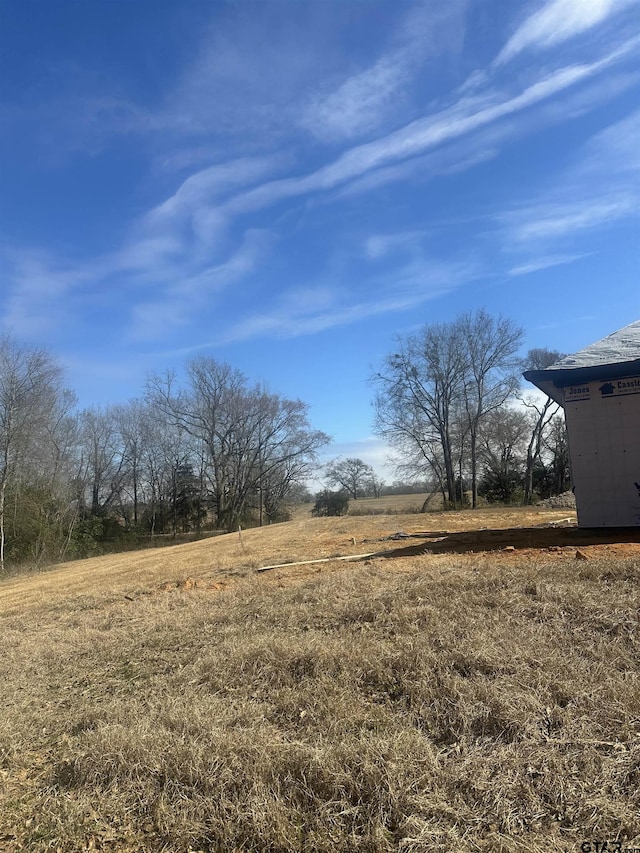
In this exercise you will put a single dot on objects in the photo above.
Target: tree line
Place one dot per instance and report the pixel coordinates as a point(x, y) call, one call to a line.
point(449, 402)
point(211, 450)
point(446, 403)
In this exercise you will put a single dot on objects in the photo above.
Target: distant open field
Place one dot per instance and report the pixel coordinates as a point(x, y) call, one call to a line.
point(471, 685)
point(393, 503)
point(389, 504)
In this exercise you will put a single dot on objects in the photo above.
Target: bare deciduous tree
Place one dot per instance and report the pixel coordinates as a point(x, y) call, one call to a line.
point(542, 413)
point(491, 344)
point(501, 448)
point(435, 391)
point(103, 457)
point(556, 449)
point(132, 424)
point(419, 388)
point(288, 448)
point(29, 393)
point(352, 475)
point(252, 436)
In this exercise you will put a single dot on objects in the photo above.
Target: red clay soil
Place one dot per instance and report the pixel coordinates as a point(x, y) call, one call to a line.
point(622, 542)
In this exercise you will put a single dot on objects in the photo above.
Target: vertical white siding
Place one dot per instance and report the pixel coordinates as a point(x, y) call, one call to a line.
point(604, 442)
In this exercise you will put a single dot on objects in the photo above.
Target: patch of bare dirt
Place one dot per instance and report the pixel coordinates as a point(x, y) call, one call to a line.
point(518, 540)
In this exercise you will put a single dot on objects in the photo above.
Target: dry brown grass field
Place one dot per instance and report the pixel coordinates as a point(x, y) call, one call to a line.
point(472, 686)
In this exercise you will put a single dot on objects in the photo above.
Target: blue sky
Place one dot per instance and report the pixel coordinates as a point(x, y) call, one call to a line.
point(289, 185)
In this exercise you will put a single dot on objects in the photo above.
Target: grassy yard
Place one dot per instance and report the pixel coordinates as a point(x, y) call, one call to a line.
point(179, 700)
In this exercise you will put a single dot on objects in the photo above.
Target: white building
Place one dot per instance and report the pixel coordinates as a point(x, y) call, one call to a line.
point(599, 388)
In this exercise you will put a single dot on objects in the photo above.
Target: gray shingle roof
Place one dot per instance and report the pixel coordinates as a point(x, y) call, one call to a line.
point(616, 355)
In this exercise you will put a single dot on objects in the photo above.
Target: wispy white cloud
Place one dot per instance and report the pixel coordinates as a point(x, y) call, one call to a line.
point(613, 150)
point(368, 98)
point(183, 249)
point(377, 246)
point(37, 300)
point(147, 254)
point(236, 84)
point(464, 117)
point(209, 185)
point(360, 104)
point(248, 74)
point(179, 302)
point(546, 262)
point(485, 143)
point(176, 243)
point(185, 157)
point(459, 156)
point(557, 21)
point(598, 190)
point(557, 219)
point(203, 237)
point(288, 322)
point(314, 309)
point(189, 229)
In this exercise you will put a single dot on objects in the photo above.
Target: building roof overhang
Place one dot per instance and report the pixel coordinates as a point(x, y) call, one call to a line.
point(553, 381)
point(615, 356)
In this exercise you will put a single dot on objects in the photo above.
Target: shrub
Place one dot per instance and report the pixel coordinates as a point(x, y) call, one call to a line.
point(501, 487)
point(331, 503)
